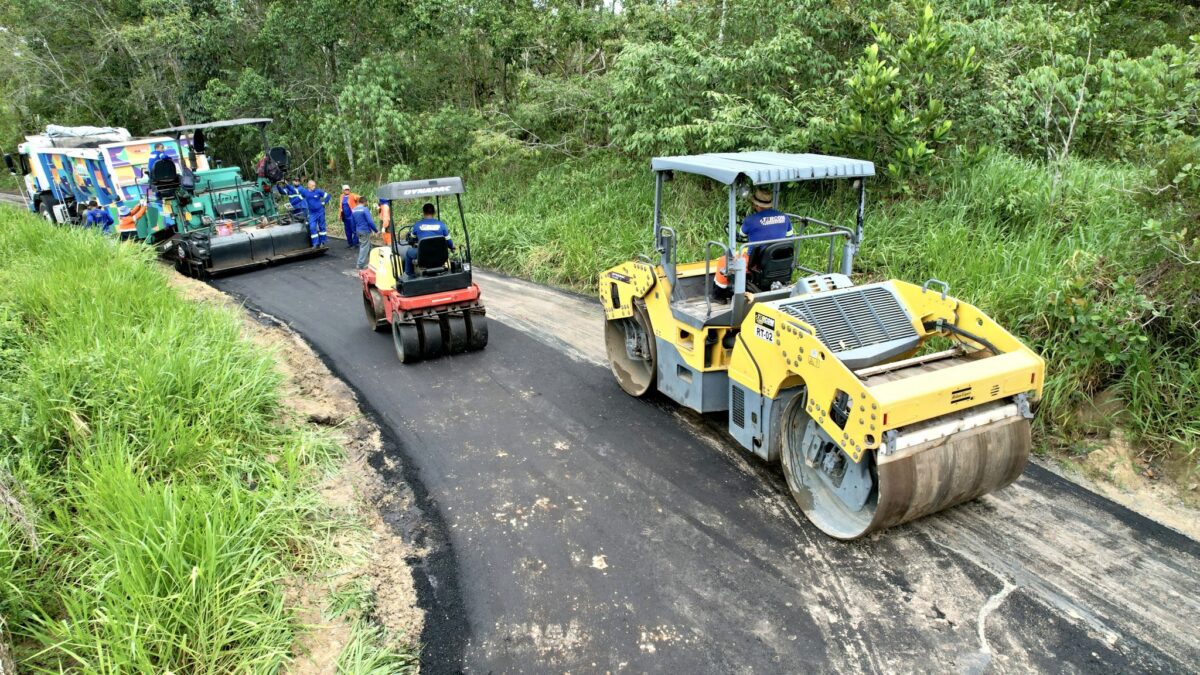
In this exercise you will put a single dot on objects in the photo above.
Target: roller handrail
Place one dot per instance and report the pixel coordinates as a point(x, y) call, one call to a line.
point(808, 219)
point(832, 235)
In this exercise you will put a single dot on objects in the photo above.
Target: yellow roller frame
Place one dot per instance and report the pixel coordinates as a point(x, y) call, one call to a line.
point(794, 356)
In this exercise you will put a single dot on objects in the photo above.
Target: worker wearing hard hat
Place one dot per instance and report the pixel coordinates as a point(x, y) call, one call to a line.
point(98, 217)
point(364, 225)
point(347, 207)
point(764, 223)
point(315, 200)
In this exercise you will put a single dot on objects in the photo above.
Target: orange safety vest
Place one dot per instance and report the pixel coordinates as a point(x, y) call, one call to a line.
point(129, 223)
point(721, 278)
point(385, 223)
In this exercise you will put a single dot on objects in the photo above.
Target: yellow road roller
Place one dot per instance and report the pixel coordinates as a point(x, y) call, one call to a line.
point(883, 402)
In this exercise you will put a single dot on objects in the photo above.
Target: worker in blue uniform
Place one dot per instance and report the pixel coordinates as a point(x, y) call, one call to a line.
point(159, 152)
point(295, 199)
point(347, 223)
point(98, 217)
point(315, 200)
point(764, 223)
point(364, 225)
point(427, 226)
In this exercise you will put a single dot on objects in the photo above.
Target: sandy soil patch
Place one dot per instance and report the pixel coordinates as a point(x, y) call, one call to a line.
point(1114, 469)
point(375, 557)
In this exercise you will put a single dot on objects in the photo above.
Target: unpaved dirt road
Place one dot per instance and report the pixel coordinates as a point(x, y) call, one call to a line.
point(582, 530)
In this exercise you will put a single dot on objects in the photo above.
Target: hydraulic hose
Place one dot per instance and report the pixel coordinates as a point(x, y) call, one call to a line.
point(941, 324)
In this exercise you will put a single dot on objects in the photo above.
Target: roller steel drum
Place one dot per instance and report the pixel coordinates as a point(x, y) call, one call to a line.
point(935, 465)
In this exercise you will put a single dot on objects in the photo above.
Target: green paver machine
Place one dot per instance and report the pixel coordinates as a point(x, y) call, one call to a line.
point(225, 221)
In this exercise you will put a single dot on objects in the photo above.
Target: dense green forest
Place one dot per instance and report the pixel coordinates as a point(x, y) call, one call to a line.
point(1042, 156)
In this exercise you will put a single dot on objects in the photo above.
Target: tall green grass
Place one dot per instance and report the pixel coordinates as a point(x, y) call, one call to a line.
point(1057, 254)
point(155, 502)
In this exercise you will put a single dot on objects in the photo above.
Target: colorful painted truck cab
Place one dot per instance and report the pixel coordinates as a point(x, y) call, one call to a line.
point(64, 168)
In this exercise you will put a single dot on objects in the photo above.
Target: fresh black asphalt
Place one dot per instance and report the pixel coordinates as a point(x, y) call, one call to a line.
point(573, 528)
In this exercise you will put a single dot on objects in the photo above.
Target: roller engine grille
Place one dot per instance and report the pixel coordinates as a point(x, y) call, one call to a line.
point(854, 318)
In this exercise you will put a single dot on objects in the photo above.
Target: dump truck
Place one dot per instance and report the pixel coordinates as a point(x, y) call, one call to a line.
point(435, 308)
point(64, 168)
point(883, 401)
point(227, 221)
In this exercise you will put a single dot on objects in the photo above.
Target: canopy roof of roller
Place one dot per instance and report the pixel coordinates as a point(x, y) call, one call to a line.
point(762, 167)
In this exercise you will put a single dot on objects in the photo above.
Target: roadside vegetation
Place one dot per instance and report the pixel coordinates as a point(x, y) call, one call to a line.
point(152, 503)
point(1043, 156)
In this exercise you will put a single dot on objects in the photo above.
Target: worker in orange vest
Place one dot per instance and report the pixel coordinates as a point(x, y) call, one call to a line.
point(127, 227)
point(385, 221)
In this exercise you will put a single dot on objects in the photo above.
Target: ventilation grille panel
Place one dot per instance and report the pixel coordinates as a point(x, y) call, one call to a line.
point(853, 318)
point(739, 407)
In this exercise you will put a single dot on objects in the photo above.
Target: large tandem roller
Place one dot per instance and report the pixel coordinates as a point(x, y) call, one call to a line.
point(883, 402)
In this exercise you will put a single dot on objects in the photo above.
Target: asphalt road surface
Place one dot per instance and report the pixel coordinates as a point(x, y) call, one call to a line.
point(574, 528)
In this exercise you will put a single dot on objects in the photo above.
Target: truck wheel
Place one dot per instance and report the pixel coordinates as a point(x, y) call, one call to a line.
point(47, 213)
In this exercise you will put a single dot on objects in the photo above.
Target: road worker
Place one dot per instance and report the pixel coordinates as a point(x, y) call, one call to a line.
point(427, 226)
point(295, 199)
point(764, 223)
point(98, 217)
point(360, 217)
point(315, 200)
point(347, 207)
point(385, 221)
point(159, 152)
point(129, 218)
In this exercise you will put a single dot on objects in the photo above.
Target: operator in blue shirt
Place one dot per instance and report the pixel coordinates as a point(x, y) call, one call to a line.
point(763, 224)
point(766, 222)
point(364, 225)
point(428, 226)
point(98, 217)
point(315, 200)
point(160, 152)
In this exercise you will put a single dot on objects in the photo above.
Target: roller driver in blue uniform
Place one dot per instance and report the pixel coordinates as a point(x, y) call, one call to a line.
point(766, 222)
point(428, 226)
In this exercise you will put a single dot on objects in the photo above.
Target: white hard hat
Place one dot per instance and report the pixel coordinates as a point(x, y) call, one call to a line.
point(345, 187)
